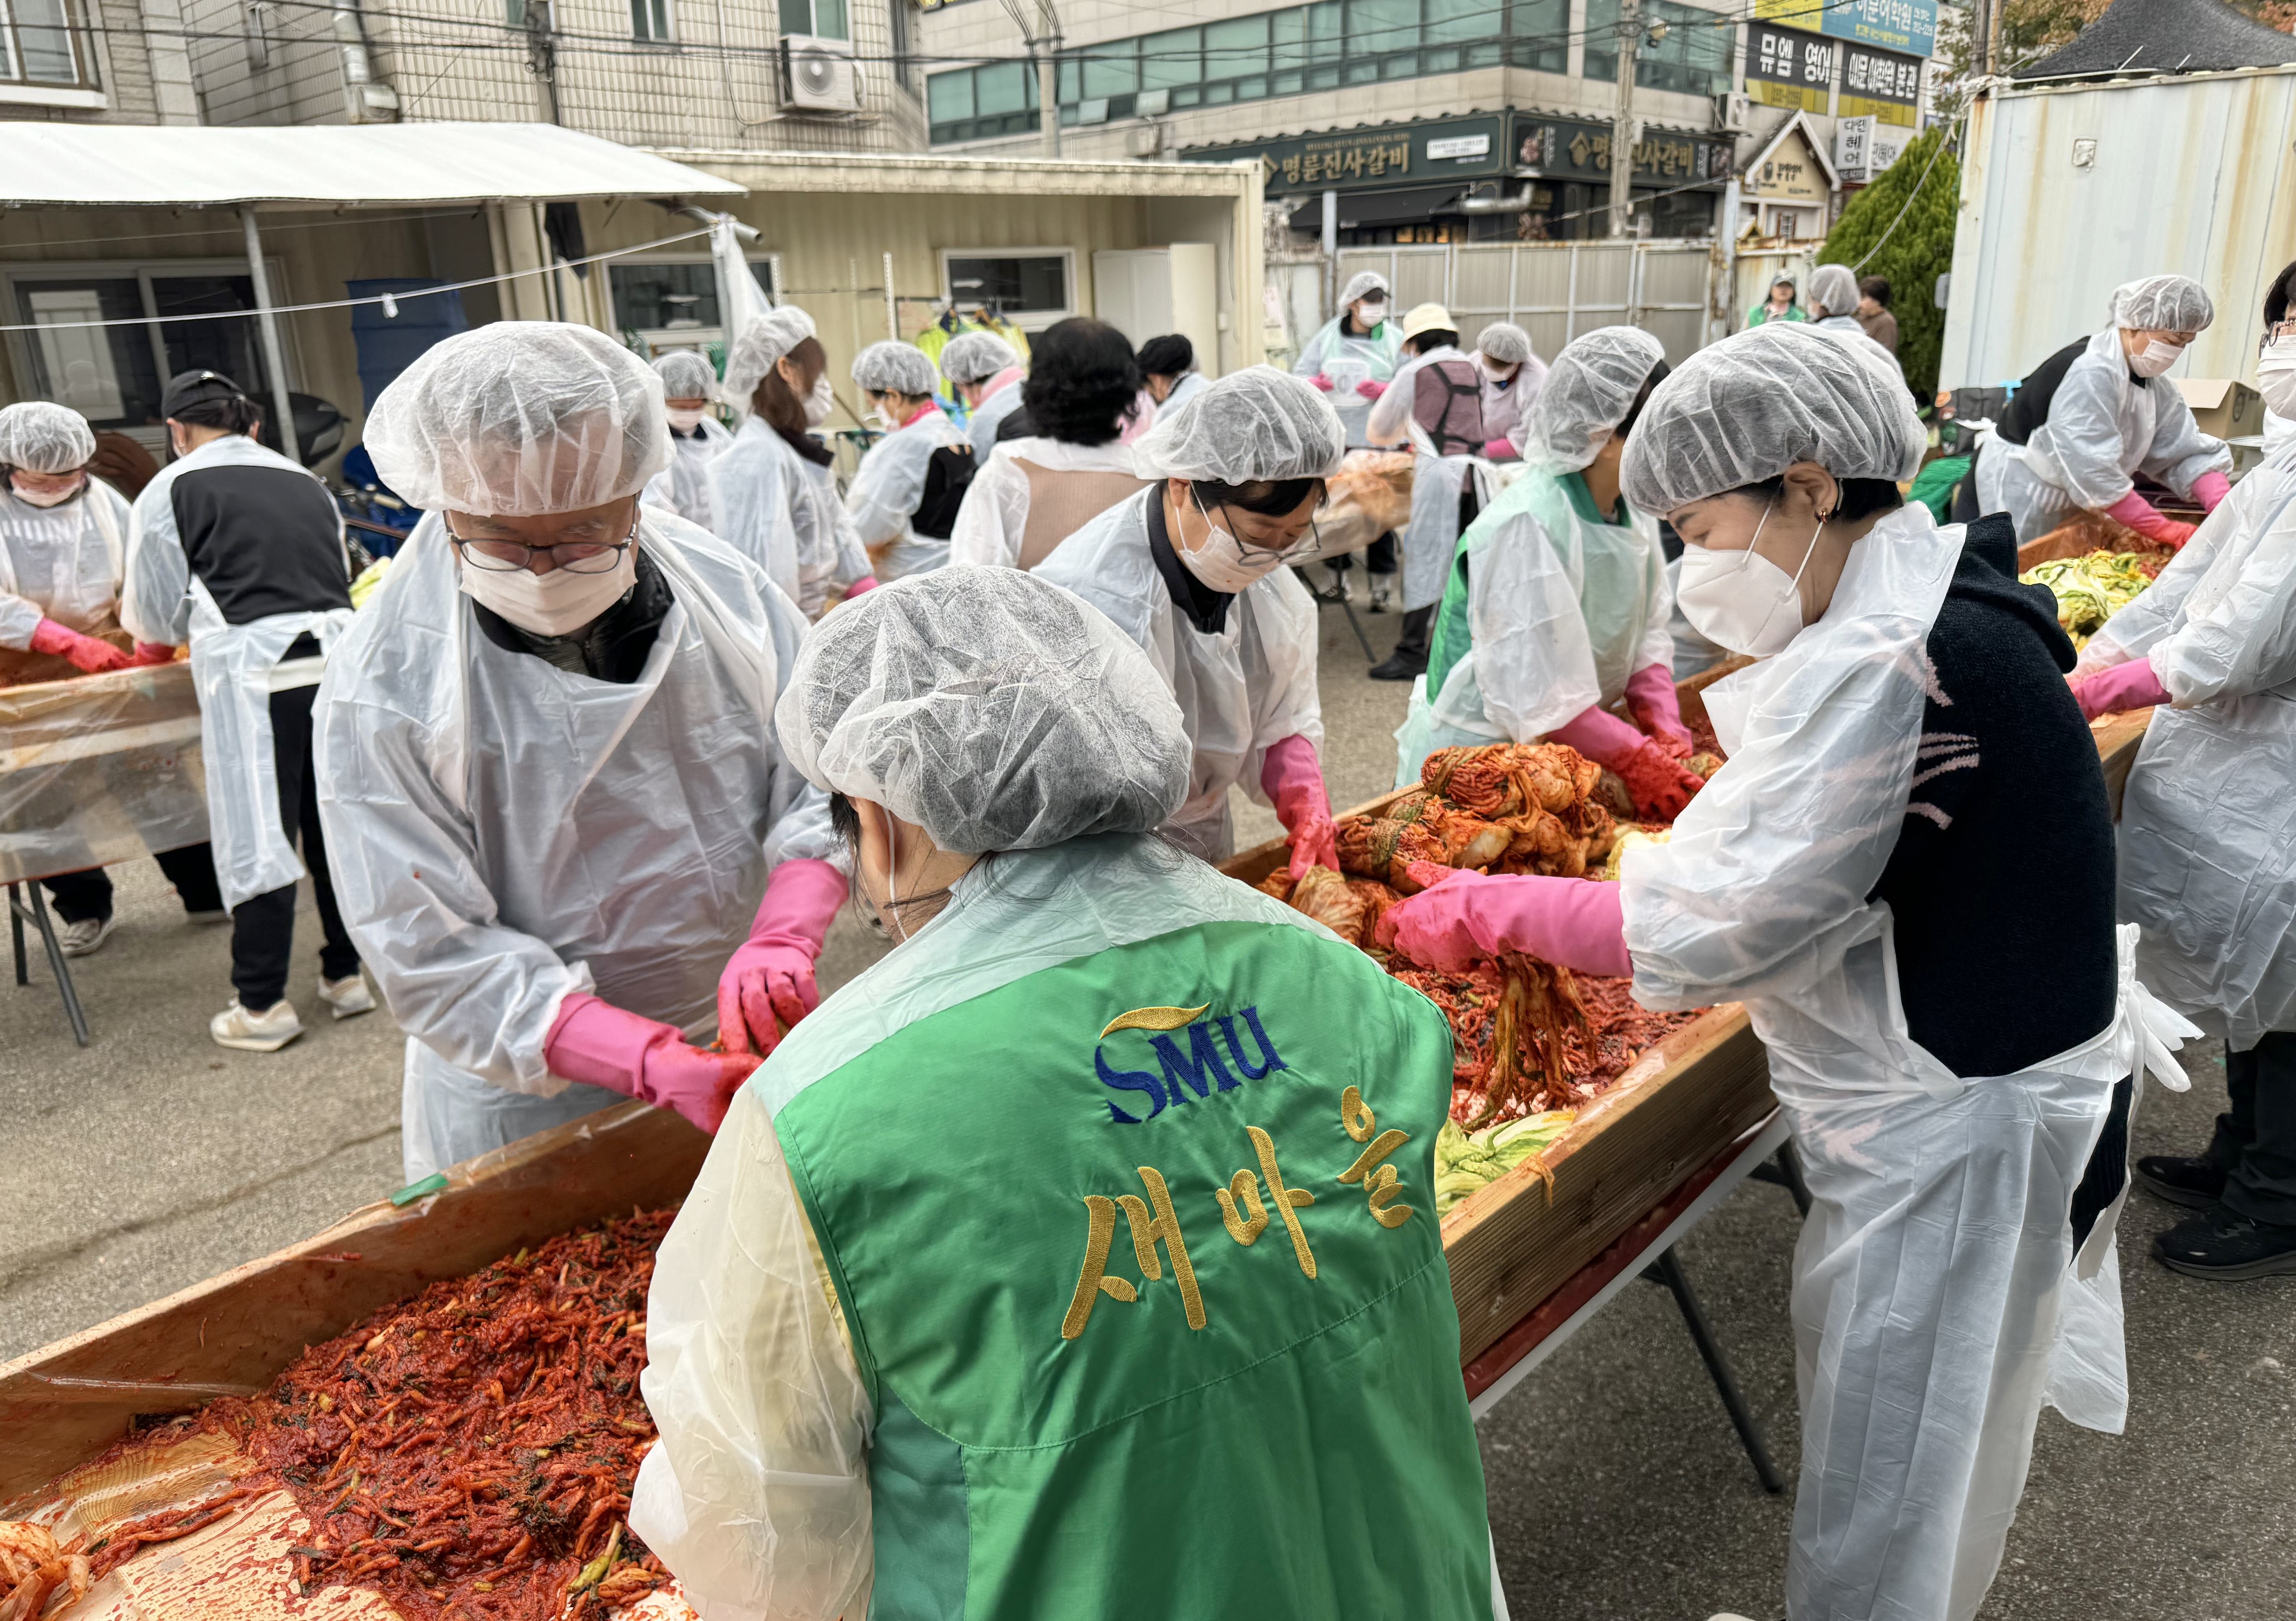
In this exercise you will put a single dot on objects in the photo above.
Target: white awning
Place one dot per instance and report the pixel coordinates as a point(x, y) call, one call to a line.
point(328, 165)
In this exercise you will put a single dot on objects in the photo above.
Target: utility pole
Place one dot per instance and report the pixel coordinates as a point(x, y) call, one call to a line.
point(1043, 38)
point(1622, 126)
point(542, 52)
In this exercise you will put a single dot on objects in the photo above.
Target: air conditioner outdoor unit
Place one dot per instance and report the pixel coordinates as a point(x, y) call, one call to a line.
point(1733, 111)
point(821, 74)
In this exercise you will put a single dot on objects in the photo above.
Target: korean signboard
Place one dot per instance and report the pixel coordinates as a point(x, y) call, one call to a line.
point(1909, 26)
point(1790, 172)
point(1881, 85)
point(1565, 149)
point(1787, 68)
point(1864, 146)
point(1386, 155)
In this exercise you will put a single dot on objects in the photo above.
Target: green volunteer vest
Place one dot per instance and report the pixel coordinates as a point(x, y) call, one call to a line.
point(1548, 496)
point(1139, 1258)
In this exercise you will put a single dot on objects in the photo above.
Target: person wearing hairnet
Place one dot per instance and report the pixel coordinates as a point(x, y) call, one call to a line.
point(2099, 412)
point(887, 1383)
point(1557, 605)
point(1354, 353)
point(548, 763)
point(772, 491)
point(897, 476)
point(239, 552)
point(1954, 1025)
point(1435, 405)
point(987, 375)
point(1065, 461)
point(695, 437)
point(1834, 298)
point(1196, 569)
point(2208, 843)
point(63, 543)
point(1512, 374)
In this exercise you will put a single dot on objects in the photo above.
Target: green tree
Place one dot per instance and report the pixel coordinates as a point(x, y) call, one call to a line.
point(1901, 227)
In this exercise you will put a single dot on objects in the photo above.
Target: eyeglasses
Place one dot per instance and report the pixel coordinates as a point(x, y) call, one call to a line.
point(1304, 550)
point(575, 556)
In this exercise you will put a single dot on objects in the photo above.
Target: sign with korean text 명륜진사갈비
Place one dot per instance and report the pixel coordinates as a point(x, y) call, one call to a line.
point(1566, 149)
point(1379, 156)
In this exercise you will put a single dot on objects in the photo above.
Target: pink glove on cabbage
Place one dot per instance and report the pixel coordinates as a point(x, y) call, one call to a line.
point(1657, 710)
point(1371, 387)
point(1463, 914)
point(1662, 788)
point(2210, 488)
point(2141, 515)
point(1293, 780)
point(1600, 735)
point(1499, 450)
point(2132, 686)
point(768, 983)
point(866, 583)
point(1320, 382)
point(85, 653)
point(600, 1044)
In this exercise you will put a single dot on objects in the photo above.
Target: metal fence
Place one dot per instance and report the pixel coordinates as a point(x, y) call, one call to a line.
point(1553, 291)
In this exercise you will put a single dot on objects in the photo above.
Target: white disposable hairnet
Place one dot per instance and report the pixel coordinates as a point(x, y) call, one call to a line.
point(685, 375)
point(976, 357)
point(1504, 342)
point(1259, 424)
point(521, 417)
point(1833, 286)
point(762, 342)
point(2163, 304)
point(1749, 408)
point(1589, 389)
point(903, 368)
point(41, 437)
point(988, 707)
point(1362, 285)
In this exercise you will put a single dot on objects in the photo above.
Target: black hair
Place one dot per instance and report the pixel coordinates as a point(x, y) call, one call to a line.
point(1167, 356)
point(1082, 379)
point(2277, 297)
point(233, 413)
point(1270, 498)
point(1876, 287)
point(1434, 338)
point(1860, 497)
point(845, 821)
point(1641, 397)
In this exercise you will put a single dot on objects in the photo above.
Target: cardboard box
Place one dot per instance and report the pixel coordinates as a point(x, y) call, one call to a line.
point(2224, 407)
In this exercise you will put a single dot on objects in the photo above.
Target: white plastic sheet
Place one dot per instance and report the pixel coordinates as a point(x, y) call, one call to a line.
point(99, 769)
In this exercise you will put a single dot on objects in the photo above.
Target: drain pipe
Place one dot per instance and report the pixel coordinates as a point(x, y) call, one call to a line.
point(370, 98)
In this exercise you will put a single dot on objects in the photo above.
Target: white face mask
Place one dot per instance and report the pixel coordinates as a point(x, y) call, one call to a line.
point(1741, 600)
point(882, 418)
point(35, 498)
point(1497, 373)
point(820, 403)
point(684, 421)
point(2275, 377)
point(553, 604)
point(1370, 315)
point(1225, 563)
point(2155, 357)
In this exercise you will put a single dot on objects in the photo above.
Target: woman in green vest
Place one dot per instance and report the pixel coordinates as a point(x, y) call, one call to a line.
point(1557, 603)
point(1079, 1258)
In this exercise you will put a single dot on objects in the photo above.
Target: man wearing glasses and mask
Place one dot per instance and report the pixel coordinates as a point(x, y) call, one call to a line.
point(548, 761)
point(1197, 570)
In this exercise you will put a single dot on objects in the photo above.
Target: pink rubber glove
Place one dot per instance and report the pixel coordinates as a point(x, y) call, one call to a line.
point(2133, 511)
point(1661, 787)
point(2132, 686)
point(1499, 450)
point(866, 583)
point(1293, 779)
point(768, 983)
point(85, 653)
point(148, 653)
point(1371, 387)
point(1464, 914)
point(1600, 735)
point(1657, 710)
point(2210, 488)
point(600, 1044)
point(1320, 382)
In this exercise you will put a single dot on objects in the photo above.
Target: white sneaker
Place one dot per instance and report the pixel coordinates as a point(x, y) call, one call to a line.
point(82, 938)
point(348, 996)
point(264, 1032)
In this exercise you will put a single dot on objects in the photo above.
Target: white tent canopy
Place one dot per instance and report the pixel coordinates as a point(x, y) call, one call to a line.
point(328, 165)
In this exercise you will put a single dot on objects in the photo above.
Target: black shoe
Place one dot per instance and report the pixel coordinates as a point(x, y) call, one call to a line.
point(2196, 1183)
point(2221, 1243)
point(1399, 669)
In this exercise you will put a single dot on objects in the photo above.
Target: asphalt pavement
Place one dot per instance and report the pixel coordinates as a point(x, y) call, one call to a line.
point(154, 1160)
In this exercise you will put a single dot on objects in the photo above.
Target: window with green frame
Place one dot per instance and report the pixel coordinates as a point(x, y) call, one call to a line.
point(1327, 46)
point(975, 103)
point(1693, 58)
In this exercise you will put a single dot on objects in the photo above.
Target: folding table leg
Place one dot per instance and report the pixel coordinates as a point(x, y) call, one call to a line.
point(1668, 1270)
point(58, 963)
point(16, 935)
point(1784, 1170)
